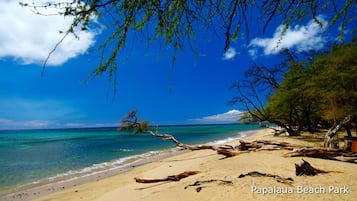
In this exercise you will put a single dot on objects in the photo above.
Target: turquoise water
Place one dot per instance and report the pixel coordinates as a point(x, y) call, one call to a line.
point(30, 155)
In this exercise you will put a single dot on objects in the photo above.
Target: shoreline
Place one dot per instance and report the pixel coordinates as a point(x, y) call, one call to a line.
point(337, 185)
point(67, 180)
point(45, 186)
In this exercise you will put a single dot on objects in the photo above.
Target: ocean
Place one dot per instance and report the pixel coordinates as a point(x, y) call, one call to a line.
point(32, 156)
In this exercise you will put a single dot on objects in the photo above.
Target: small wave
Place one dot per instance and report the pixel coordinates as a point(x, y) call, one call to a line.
point(224, 141)
point(98, 168)
point(248, 133)
point(122, 150)
point(240, 135)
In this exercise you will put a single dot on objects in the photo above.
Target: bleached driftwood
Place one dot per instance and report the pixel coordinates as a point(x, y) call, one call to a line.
point(264, 145)
point(177, 177)
point(316, 152)
point(225, 150)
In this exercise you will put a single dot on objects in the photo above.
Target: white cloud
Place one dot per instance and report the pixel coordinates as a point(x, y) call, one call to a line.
point(229, 54)
point(28, 37)
point(253, 53)
point(301, 38)
point(86, 125)
point(228, 117)
point(8, 123)
point(41, 124)
point(75, 125)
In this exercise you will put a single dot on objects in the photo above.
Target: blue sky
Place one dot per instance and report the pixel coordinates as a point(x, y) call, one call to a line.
point(196, 91)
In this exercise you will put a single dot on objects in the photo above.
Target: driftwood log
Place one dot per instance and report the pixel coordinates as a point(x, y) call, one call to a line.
point(316, 152)
point(228, 150)
point(180, 144)
point(257, 145)
point(225, 150)
point(177, 177)
point(264, 145)
point(285, 180)
point(306, 169)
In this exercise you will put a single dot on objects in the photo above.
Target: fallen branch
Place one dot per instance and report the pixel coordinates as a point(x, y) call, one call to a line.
point(346, 159)
point(226, 150)
point(264, 145)
point(177, 177)
point(316, 152)
point(228, 153)
point(245, 146)
point(279, 144)
point(180, 144)
point(306, 169)
point(256, 145)
point(278, 178)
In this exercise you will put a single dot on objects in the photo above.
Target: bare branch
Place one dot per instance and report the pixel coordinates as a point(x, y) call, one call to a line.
point(52, 51)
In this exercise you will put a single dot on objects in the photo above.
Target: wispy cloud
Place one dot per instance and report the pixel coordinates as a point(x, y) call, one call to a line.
point(12, 124)
point(227, 117)
point(230, 54)
point(74, 125)
point(28, 37)
point(86, 125)
point(300, 38)
point(22, 113)
point(39, 124)
point(34, 113)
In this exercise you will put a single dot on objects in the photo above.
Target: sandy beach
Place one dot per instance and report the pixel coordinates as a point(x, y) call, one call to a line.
point(337, 185)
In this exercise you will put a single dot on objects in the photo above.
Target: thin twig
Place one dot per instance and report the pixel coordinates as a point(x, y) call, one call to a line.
point(52, 51)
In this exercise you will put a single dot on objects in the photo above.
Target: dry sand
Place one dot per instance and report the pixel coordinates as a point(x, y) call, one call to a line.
point(339, 185)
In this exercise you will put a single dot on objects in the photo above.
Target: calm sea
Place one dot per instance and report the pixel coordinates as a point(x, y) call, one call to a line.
point(27, 156)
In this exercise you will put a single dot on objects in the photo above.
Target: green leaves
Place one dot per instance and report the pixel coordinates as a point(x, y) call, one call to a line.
point(318, 90)
point(131, 123)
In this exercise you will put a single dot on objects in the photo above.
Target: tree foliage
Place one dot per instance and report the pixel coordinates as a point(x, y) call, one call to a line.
point(131, 123)
point(317, 92)
point(290, 105)
point(177, 22)
point(302, 93)
point(337, 81)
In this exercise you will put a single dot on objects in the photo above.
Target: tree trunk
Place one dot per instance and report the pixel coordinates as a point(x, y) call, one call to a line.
point(225, 150)
point(331, 140)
